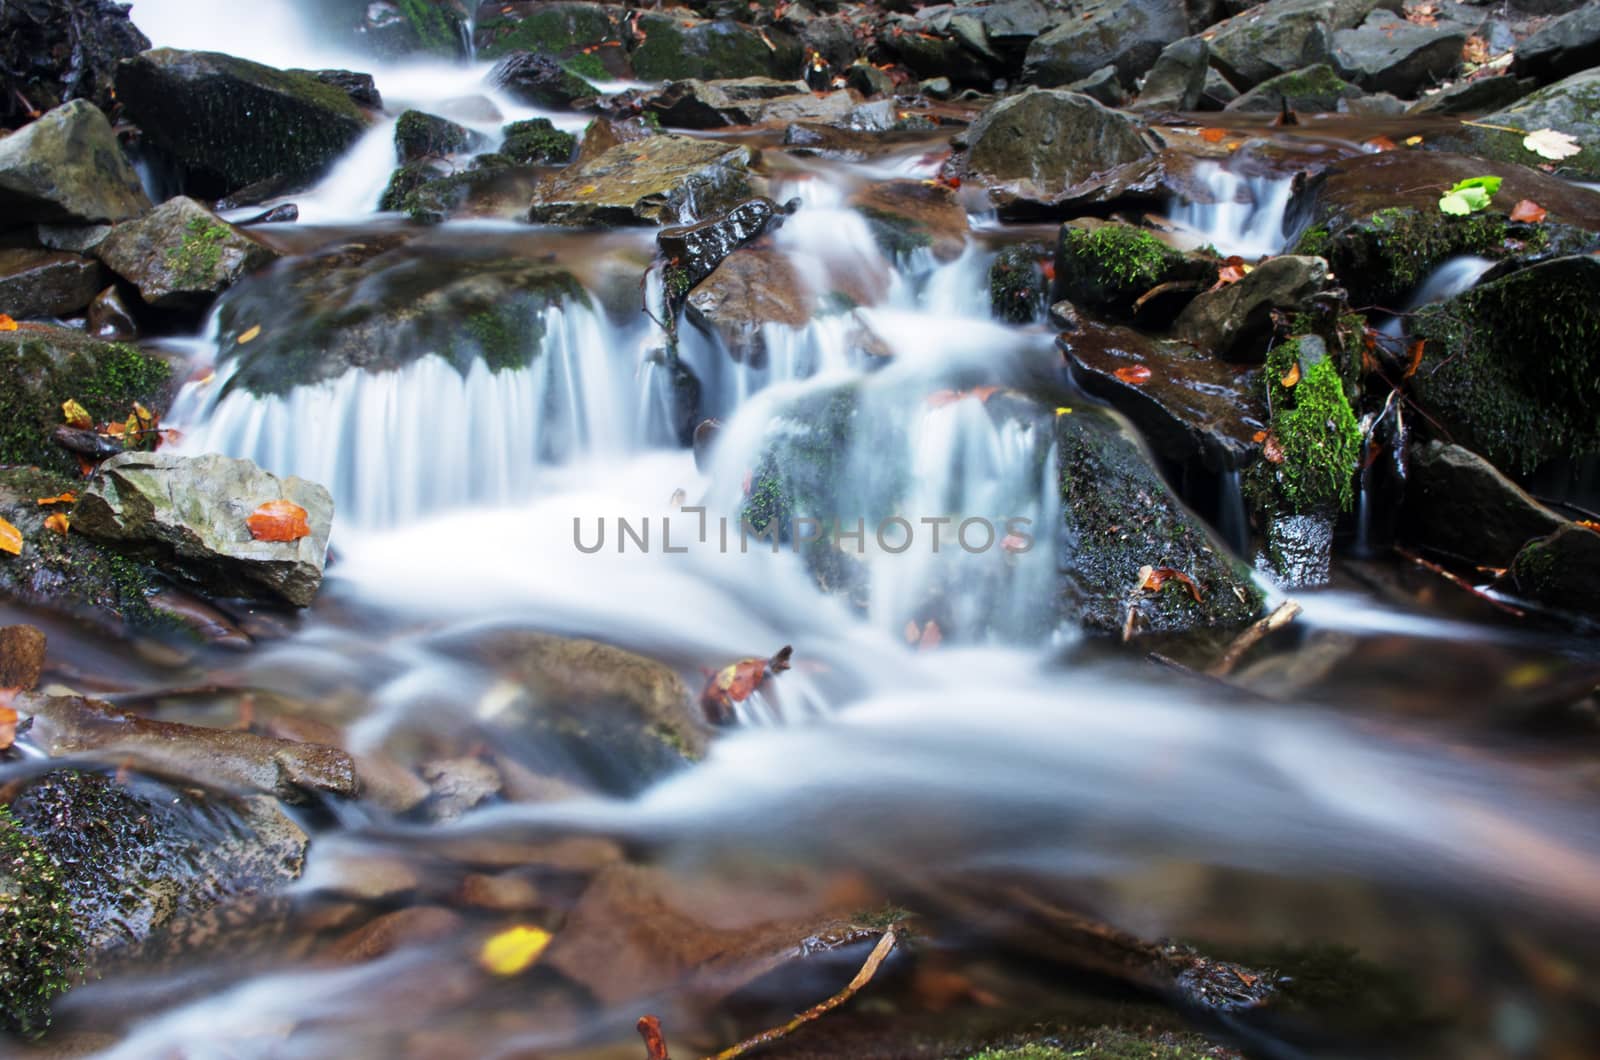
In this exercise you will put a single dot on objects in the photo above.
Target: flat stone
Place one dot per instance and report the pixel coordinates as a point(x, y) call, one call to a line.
point(648, 181)
point(45, 283)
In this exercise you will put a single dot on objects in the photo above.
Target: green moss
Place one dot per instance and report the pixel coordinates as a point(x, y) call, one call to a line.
point(1387, 255)
point(1313, 242)
point(194, 261)
point(1107, 1043)
point(587, 66)
point(1109, 266)
point(550, 30)
point(1016, 284)
point(1315, 428)
point(434, 30)
point(419, 135)
point(1130, 256)
point(506, 336)
point(673, 50)
point(538, 142)
point(39, 943)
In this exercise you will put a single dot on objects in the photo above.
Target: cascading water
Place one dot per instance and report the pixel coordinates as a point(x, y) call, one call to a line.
point(1237, 214)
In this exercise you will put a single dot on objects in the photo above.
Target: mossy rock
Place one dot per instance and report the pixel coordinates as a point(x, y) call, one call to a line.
point(45, 366)
point(407, 179)
point(1108, 1043)
point(40, 946)
point(537, 142)
point(434, 27)
point(1312, 90)
point(1314, 429)
point(380, 308)
point(1571, 106)
point(1105, 266)
point(675, 49)
point(558, 28)
point(1017, 285)
point(418, 135)
point(1512, 367)
point(1561, 570)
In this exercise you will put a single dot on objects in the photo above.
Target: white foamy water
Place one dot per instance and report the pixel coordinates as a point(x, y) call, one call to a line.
point(1242, 215)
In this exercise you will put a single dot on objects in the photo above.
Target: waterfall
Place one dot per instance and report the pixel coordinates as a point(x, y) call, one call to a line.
point(1239, 215)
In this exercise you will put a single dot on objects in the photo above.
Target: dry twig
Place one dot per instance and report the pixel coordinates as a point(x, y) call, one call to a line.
point(1461, 583)
point(1257, 630)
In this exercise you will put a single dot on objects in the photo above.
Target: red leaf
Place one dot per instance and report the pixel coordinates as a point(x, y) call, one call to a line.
point(1133, 374)
point(1528, 211)
point(1381, 143)
point(278, 521)
point(736, 682)
point(1213, 136)
point(1153, 578)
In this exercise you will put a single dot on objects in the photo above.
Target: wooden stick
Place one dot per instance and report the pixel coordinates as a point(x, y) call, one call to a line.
point(1257, 630)
point(655, 1045)
point(1460, 583)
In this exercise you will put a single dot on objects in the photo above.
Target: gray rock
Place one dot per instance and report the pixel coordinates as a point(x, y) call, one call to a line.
point(230, 122)
point(1234, 319)
point(696, 104)
point(1102, 86)
point(1561, 48)
point(1282, 35)
point(67, 167)
point(1218, 91)
point(1314, 90)
point(182, 255)
point(539, 81)
point(1474, 97)
point(1459, 503)
point(75, 239)
point(1571, 106)
point(1178, 78)
point(869, 80)
point(46, 283)
point(189, 514)
point(1391, 54)
point(1043, 146)
point(647, 181)
point(1126, 34)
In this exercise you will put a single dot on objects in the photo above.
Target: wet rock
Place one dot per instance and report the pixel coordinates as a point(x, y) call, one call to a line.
point(490, 187)
point(945, 45)
point(49, 57)
point(1218, 91)
point(67, 167)
point(413, 927)
point(397, 28)
point(230, 122)
point(1236, 321)
point(21, 656)
point(380, 307)
point(188, 515)
point(109, 318)
point(1102, 86)
point(1561, 48)
point(539, 81)
point(693, 251)
point(1458, 503)
point(1299, 549)
point(746, 101)
point(537, 141)
point(1561, 570)
point(554, 27)
point(1387, 53)
point(1316, 89)
point(1510, 367)
point(1474, 97)
point(45, 366)
point(72, 238)
point(1571, 106)
point(456, 785)
point(868, 80)
point(40, 946)
point(910, 215)
point(645, 182)
point(418, 136)
point(223, 758)
point(361, 88)
point(1039, 148)
point(1128, 36)
point(1178, 78)
point(1107, 266)
point(675, 48)
point(1017, 286)
point(182, 255)
point(748, 290)
point(43, 283)
point(1282, 35)
point(1191, 407)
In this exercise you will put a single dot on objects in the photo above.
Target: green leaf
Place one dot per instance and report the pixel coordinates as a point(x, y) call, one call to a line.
point(1469, 196)
point(1455, 204)
point(1488, 184)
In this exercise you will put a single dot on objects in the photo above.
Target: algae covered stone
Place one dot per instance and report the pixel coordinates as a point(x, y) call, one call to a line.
point(40, 946)
point(182, 255)
point(68, 167)
point(649, 181)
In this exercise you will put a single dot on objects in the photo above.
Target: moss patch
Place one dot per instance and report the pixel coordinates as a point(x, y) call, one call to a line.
point(40, 946)
point(1017, 286)
point(1315, 428)
point(538, 142)
point(895, 233)
point(196, 258)
point(1108, 266)
point(1385, 257)
point(434, 30)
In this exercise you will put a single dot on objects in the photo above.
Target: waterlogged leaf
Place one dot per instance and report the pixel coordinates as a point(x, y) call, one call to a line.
point(1063, 410)
point(6, 323)
point(1381, 143)
point(514, 950)
point(737, 682)
point(1475, 50)
point(61, 498)
point(59, 523)
point(1469, 196)
point(1213, 136)
point(1528, 212)
point(249, 336)
point(10, 538)
point(8, 727)
point(278, 521)
point(1151, 579)
point(75, 415)
point(1414, 357)
point(1547, 143)
point(1292, 376)
point(1133, 374)
point(1233, 270)
point(1413, 141)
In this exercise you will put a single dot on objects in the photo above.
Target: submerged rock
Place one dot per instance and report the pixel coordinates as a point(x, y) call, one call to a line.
point(645, 181)
point(189, 515)
point(44, 283)
point(230, 122)
point(911, 215)
point(692, 252)
point(747, 290)
point(1018, 289)
point(41, 947)
point(67, 167)
point(182, 255)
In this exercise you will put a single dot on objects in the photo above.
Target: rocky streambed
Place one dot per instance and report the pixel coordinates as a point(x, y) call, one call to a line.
point(523, 517)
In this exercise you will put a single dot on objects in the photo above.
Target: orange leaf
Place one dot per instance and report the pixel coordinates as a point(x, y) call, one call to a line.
point(1232, 271)
point(10, 538)
point(1213, 136)
point(1259, 437)
point(278, 521)
point(1292, 376)
point(6, 323)
point(1152, 579)
point(1528, 211)
point(58, 522)
point(1381, 143)
point(1272, 450)
point(1133, 374)
point(737, 682)
point(8, 727)
point(1589, 524)
point(61, 498)
point(1414, 356)
point(931, 636)
point(1475, 50)
point(76, 415)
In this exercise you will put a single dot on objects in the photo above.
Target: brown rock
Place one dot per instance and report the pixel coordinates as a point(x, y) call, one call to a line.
point(21, 656)
point(403, 927)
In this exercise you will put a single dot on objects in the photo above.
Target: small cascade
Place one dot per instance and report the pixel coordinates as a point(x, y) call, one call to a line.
point(352, 188)
point(1448, 279)
point(1244, 215)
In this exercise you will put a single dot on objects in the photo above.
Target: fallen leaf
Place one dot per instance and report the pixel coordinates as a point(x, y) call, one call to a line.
point(8, 727)
point(1528, 211)
point(58, 522)
point(1413, 141)
point(1469, 196)
point(1414, 358)
point(1063, 410)
point(1589, 524)
point(1232, 271)
point(1151, 579)
point(737, 682)
point(1133, 374)
point(931, 636)
point(10, 538)
point(1292, 376)
point(514, 950)
point(1475, 50)
point(249, 336)
point(1272, 450)
point(1547, 143)
point(278, 521)
point(1259, 437)
point(75, 415)
point(6, 323)
point(1213, 136)
point(61, 498)
point(1381, 143)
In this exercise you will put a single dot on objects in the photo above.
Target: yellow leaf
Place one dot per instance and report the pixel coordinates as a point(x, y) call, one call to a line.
point(249, 335)
point(10, 538)
point(76, 415)
point(1062, 411)
point(6, 323)
point(513, 950)
point(59, 523)
point(1412, 141)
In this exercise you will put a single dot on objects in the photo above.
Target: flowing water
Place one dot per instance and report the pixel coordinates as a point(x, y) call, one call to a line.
point(1370, 811)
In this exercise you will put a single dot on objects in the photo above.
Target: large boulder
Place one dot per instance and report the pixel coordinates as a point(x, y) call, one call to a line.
point(1041, 147)
point(1458, 503)
point(1126, 34)
point(1387, 53)
point(190, 515)
point(230, 122)
point(539, 81)
point(563, 28)
point(67, 167)
point(43, 283)
point(1276, 37)
point(674, 48)
point(647, 181)
point(1511, 368)
point(1316, 89)
point(1570, 106)
point(182, 255)
point(49, 56)
point(1177, 81)
point(1566, 46)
